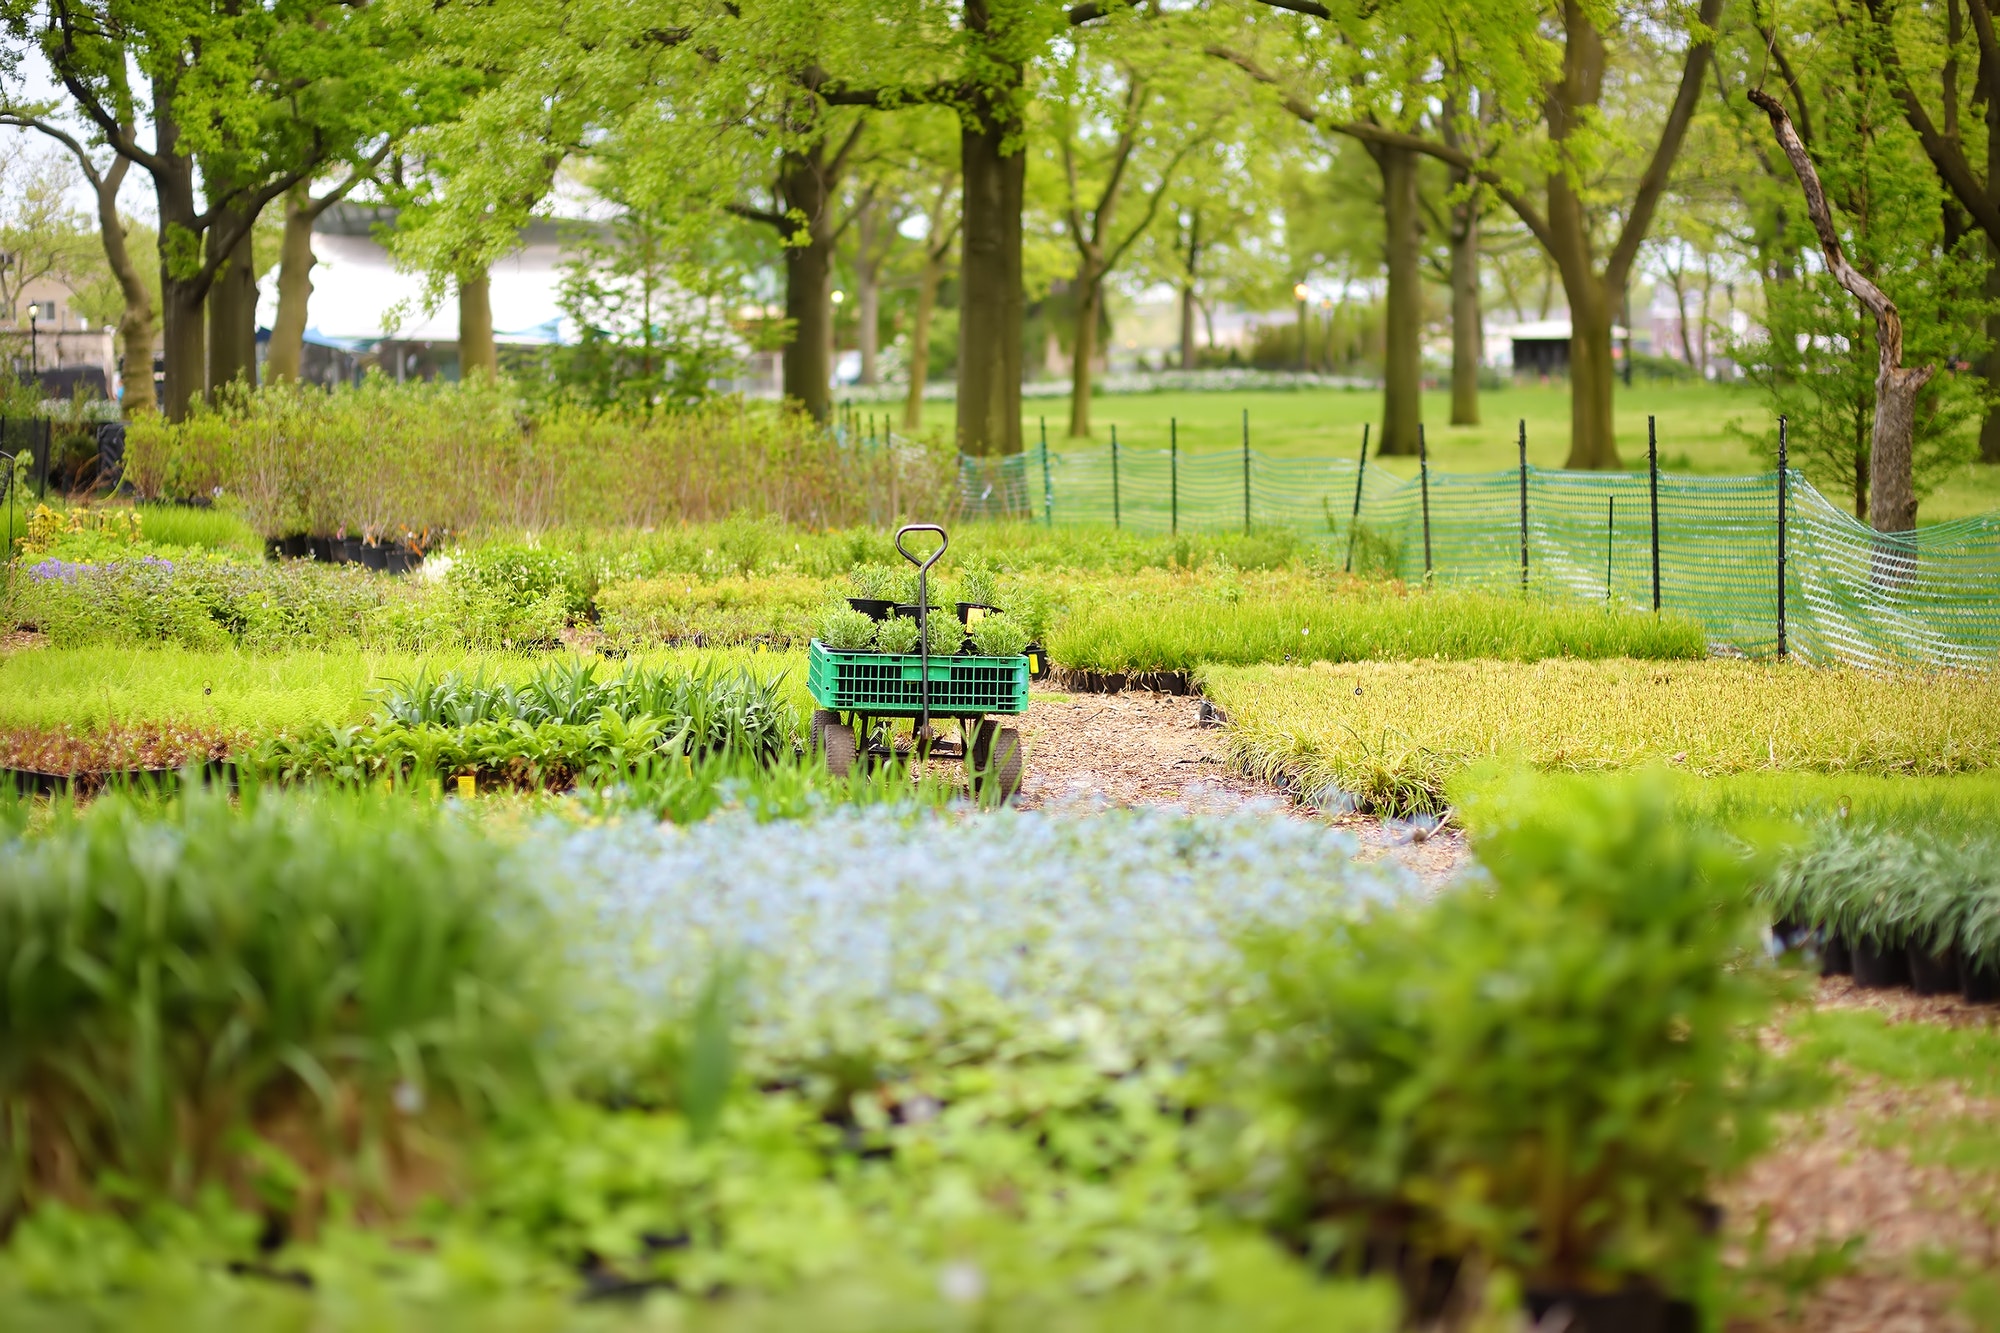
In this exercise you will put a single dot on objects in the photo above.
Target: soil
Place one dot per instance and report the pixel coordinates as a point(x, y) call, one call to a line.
point(1150, 749)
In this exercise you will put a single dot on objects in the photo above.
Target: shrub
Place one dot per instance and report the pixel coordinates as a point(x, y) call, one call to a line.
point(194, 999)
point(1551, 1070)
point(941, 633)
point(777, 609)
point(392, 460)
point(846, 630)
point(897, 634)
point(999, 636)
point(197, 601)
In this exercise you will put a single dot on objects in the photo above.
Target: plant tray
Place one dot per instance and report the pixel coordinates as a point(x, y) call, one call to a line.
point(887, 684)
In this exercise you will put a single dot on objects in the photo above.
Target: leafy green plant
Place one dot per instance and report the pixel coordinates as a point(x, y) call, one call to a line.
point(880, 582)
point(942, 634)
point(999, 636)
point(1454, 1078)
point(978, 581)
point(846, 630)
point(196, 998)
point(897, 634)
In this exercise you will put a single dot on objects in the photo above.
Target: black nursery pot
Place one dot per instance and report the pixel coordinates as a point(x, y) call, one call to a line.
point(875, 608)
point(1038, 661)
point(401, 559)
point(1932, 973)
point(1836, 959)
point(322, 549)
point(1635, 1310)
point(347, 550)
point(1877, 968)
point(1980, 981)
point(296, 547)
point(374, 555)
point(965, 610)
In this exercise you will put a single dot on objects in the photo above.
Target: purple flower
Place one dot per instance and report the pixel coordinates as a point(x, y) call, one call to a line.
point(52, 568)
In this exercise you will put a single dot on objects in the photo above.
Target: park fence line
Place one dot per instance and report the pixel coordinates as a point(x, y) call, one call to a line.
point(1711, 547)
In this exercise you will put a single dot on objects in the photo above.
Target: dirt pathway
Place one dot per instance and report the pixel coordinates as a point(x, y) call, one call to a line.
point(1149, 749)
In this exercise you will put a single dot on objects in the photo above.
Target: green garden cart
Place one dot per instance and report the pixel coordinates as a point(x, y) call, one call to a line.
point(861, 695)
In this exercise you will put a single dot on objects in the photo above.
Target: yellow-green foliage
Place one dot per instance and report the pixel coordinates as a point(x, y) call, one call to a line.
point(1390, 727)
point(92, 688)
point(1344, 622)
point(776, 608)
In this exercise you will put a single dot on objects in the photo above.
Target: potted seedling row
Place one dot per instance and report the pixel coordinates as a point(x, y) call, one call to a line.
point(892, 654)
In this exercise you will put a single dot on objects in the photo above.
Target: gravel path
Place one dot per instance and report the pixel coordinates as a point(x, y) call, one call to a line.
point(1148, 749)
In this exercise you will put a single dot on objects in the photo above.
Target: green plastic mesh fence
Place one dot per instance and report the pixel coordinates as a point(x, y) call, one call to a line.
point(1926, 600)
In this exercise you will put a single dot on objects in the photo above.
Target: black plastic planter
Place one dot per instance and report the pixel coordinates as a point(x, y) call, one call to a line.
point(875, 608)
point(1038, 661)
point(374, 555)
point(401, 559)
point(1979, 981)
point(965, 610)
point(1636, 1310)
point(1932, 973)
point(1877, 968)
point(1836, 959)
point(296, 547)
point(322, 549)
point(347, 550)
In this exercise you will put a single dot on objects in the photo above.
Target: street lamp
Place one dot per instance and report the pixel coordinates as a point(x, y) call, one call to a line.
point(37, 310)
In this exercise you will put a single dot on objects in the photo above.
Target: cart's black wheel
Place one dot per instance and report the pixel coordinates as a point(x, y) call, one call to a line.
point(834, 739)
point(995, 760)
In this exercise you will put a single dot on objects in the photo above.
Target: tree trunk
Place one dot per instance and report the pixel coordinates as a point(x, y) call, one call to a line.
point(868, 289)
point(295, 266)
point(991, 307)
point(232, 305)
point(1187, 292)
point(1593, 440)
point(808, 357)
point(1989, 365)
point(135, 322)
point(1892, 498)
point(182, 308)
point(478, 355)
point(1402, 355)
point(1468, 334)
point(1089, 288)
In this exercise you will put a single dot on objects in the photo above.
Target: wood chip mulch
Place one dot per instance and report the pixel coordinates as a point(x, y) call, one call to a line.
point(1141, 748)
point(1847, 1172)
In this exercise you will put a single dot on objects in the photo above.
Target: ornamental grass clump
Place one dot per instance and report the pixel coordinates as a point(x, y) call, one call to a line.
point(1892, 888)
point(268, 999)
point(1549, 1070)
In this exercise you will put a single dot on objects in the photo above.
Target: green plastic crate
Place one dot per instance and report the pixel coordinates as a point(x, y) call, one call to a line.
point(886, 684)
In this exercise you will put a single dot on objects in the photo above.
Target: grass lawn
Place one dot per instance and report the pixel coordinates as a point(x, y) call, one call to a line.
point(1696, 429)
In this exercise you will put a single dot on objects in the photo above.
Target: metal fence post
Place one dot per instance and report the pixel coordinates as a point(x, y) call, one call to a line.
point(1524, 504)
point(1354, 519)
point(1246, 469)
point(1610, 541)
point(1173, 475)
point(1653, 478)
point(1114, 477)
point(1784, 495)
point(1424, 475)
point(1048, 493)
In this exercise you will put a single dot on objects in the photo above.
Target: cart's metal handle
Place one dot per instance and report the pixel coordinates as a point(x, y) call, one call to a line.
point(923, 625)
point(923, 566)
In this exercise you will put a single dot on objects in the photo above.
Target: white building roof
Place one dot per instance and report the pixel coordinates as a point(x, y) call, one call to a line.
point(359, 296)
